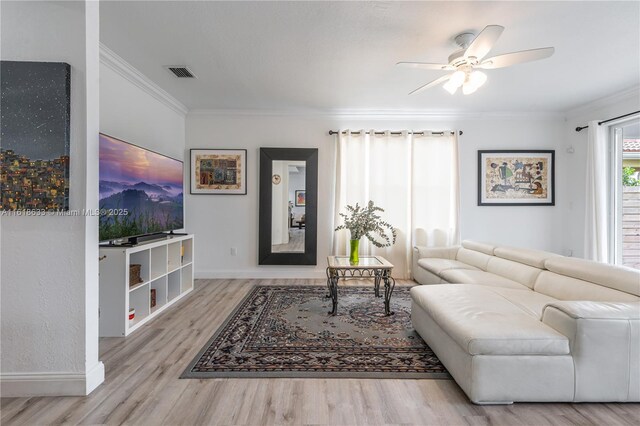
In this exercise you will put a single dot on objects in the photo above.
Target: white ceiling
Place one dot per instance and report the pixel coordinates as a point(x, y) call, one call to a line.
point(341, 55)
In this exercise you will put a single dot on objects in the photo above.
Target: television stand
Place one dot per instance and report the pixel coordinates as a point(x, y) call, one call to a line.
point(166, 267)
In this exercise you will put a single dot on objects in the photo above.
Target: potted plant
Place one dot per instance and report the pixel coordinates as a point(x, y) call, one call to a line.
point(365, 222)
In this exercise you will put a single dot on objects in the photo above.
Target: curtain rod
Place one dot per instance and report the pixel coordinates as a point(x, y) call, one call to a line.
point(335, 132)
point(611, 119)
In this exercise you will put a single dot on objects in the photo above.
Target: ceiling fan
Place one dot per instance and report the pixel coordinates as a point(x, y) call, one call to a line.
point(466, 61)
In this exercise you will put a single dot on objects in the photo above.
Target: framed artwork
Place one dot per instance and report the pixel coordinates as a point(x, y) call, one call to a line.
point(219, 171)
point(516, 178)
point(35, 148)
point(301, 199)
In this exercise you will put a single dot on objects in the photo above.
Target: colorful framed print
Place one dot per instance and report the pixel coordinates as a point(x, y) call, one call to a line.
point(301, 198)
point(219, 171)
point(36, 144)
point(516, 178)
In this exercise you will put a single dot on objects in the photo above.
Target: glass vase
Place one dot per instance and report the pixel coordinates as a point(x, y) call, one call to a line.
point(353, 255)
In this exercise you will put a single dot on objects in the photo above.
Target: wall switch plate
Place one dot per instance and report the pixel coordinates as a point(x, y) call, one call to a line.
point(234, 251)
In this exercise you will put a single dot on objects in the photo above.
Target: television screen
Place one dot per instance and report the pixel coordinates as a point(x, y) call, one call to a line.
point(141, 192)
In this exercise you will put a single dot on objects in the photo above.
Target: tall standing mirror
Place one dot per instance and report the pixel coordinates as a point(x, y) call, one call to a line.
point(288, 206)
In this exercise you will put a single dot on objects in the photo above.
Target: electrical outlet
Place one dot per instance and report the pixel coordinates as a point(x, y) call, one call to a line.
point(234, 251)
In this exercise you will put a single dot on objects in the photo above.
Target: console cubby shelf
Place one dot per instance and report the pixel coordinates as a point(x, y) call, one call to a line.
point(166, 266)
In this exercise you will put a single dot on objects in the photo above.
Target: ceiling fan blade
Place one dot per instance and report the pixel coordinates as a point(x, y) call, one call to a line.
point(431, 84)
point(426, 66)
point(514, 58)
point(483, 43)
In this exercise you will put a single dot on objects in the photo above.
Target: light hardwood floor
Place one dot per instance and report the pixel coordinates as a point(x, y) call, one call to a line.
point(295, 244)
point(142, 386)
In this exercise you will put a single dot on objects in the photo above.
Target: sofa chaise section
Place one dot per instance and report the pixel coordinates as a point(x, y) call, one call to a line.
point(496, 352)
point(526, 325)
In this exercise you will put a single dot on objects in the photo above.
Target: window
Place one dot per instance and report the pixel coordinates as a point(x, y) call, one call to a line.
point(626, 193)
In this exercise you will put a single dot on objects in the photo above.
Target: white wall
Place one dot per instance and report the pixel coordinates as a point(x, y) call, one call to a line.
point(574, 187)
point(222, 222)
point(279, 207)
point(134, 112)
point(49, 276)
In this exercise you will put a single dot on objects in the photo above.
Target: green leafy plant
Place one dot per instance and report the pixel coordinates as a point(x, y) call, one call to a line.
point(365, 222)
point(627, 177)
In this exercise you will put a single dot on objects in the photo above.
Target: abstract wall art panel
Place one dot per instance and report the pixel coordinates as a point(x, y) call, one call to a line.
point(35, 135)
point(219, 171)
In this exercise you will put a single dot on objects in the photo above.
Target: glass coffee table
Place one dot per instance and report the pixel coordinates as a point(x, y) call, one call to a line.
point(376, 267)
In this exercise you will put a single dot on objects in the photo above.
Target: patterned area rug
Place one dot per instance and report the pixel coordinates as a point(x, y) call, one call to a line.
point(286, 331)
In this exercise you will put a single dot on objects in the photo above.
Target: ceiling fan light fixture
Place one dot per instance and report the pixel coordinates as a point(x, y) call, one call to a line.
point(478, 78)
point(457, 78)
point(450, 87)
point(468, 88)
point(464, 62)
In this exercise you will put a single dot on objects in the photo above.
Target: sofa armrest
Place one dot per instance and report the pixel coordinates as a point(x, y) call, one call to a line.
point(604, 338)
point(450, 252)
point(422, 276)
point(598, 310)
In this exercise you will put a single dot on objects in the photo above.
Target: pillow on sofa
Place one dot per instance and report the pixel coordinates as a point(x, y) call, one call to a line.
point(535, 258)
point(472, 257)
point(485, 248)
point(616, 277)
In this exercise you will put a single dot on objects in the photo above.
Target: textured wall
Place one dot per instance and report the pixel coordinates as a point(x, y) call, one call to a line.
point(49, 264)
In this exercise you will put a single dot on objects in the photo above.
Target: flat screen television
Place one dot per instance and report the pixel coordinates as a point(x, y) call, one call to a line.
point(141, 191)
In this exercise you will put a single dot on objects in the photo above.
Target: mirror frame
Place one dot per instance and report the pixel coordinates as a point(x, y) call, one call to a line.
point(309, 256)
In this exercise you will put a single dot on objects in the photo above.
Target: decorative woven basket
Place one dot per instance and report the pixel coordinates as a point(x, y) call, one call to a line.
point(134, 274)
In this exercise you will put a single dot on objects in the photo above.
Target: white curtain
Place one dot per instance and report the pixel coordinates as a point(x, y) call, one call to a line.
point(596, 233)
point(413, 178)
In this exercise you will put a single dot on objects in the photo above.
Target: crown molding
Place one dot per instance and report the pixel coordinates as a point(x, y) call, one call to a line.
point(381, 114)
point(604, 102)
point(110, 59)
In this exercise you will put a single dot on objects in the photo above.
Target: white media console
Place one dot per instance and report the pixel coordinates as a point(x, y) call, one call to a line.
point(166, 266)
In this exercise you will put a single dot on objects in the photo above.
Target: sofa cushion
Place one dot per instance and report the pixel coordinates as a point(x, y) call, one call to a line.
point(474, 258)
point(529, 301)
point(470, 276)
point(535, 258)
point(485, 248)
point(516, 271)
point(436, 265)
point(612, 276)
point(563, 287)
point(483, 322)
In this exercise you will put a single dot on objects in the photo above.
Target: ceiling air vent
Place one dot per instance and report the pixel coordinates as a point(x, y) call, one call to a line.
point(180, 71)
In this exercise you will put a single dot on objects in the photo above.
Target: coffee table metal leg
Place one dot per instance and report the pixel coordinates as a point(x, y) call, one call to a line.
point(376, 284)
point(329, 274)
point(333, 291)
point(389, 285)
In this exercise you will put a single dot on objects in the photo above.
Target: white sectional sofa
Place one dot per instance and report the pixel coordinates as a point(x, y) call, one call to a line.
point(513, 324)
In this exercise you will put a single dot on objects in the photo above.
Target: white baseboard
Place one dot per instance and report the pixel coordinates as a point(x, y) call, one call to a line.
point(51, 384)
point(264, 273)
